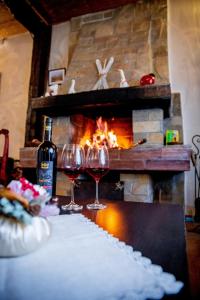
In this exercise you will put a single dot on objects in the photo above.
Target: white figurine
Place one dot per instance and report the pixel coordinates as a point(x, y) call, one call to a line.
point(72, 87)
point(103, 71)
point(123, 82)
point(52, 90)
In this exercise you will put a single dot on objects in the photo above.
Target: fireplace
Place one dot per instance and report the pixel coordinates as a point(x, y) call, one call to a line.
point(148, 172)
point(136, 36)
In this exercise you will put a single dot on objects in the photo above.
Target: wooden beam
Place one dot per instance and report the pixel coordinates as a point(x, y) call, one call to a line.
point(139, 97)
point(25, 14)
point(39, 76)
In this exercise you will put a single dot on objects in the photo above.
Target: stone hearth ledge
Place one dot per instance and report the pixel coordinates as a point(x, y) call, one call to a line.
point(142, 158)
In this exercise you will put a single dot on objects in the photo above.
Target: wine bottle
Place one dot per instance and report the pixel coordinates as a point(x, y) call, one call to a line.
point(47, 159)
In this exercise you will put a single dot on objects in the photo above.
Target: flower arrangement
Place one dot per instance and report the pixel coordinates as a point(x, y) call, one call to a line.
point(22, 200)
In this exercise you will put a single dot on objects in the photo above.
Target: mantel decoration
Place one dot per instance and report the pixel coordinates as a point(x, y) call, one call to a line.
point(147, 79)
point(55, 79)
point(22, 229)
point(57, 76)
point(72, 87)
point(123, 81)
point(103, 72)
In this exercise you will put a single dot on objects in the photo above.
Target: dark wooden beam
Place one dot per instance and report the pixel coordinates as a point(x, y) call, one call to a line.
point(153, 96)
point(26, 15)
point(39, 76)
point(40, 62)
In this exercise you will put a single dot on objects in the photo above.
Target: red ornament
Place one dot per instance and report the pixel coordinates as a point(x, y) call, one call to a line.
point(147, 79)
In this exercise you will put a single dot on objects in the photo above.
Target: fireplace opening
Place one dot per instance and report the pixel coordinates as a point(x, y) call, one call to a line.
point(116, 131)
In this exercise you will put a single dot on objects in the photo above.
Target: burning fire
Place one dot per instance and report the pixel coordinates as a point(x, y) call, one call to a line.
point(101, 136)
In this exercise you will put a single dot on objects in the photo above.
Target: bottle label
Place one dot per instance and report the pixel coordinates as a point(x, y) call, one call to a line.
point(45, 176)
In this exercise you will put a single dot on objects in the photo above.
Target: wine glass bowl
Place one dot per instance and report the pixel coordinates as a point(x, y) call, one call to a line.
point(72, 165)
point(97, 166)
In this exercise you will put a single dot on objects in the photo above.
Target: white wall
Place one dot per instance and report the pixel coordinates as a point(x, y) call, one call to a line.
point(184, 71)
point(15, 68)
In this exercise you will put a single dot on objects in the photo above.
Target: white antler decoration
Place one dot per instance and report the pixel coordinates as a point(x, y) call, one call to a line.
point(72, 87)
point(123, 82)
point(103, 71)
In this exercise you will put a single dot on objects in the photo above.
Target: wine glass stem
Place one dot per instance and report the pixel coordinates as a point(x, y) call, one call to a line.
point(72, 192)
point(97, 192)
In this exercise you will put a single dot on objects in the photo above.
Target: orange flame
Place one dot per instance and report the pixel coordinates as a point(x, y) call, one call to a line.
point(103, 135)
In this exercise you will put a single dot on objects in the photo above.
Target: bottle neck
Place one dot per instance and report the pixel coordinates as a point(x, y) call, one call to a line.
point(47, 132)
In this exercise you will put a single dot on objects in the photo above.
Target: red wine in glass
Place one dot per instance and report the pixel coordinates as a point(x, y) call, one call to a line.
point(72, 165)
point(97, 165)
point(73, 173)
point(97, 173)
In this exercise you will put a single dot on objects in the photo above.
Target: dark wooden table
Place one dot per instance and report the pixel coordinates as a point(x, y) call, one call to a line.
point(157, 230)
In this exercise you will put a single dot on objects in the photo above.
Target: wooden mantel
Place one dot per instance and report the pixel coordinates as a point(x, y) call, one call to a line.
point(136, 97)
point(174, 158)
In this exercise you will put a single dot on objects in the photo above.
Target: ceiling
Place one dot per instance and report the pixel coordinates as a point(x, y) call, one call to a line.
point(9, 26)
point(48, 12)
point(58, 11)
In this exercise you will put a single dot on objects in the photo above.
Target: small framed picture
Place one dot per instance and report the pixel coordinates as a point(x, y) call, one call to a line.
point(56, 76)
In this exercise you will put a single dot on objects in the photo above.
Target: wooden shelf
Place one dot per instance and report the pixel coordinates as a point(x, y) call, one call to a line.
point(153, 96)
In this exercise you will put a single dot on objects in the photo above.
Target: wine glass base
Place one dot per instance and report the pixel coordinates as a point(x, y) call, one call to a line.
point(74, 207)
point(96, 206)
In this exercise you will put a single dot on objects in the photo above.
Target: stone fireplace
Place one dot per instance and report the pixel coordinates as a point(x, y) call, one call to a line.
point(135, 35)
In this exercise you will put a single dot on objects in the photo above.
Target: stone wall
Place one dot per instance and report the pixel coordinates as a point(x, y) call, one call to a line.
point(148, 124)
point(135, 35)
point(138, 187)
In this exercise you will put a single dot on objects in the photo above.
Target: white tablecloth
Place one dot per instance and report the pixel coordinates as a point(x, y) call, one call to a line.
point(81, 261)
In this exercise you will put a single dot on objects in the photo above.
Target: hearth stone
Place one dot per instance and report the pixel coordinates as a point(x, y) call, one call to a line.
point(148, 124)
point(85, 188)
point(137, 187)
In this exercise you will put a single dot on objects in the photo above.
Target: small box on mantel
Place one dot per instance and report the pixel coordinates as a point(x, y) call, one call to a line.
point(172, 137)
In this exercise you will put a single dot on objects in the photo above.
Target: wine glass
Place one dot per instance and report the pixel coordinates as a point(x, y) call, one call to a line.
point(72, 164)
point(97, 165)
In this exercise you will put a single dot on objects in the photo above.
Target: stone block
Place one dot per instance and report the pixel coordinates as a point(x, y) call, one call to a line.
point(140, 115)
point(63, 185)
point(137, 187)
point(62, 130)
point(140, 136)
point(75, 24)
point(176, 105)
point(86, 41)
point(122, 27)
point(155, 138)
point(105, 30)
point(161, 67)
point(140, 25)
point(147, 126)
point(88, 29)
point(155, 115)
point(158, 29)
point(159, 9)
